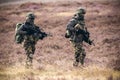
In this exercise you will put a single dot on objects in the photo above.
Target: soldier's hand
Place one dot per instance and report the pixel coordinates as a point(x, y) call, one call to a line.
point(92, 42)
point(67, 36)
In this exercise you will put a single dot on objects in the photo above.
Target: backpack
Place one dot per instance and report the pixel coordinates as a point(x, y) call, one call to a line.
point(19, 38)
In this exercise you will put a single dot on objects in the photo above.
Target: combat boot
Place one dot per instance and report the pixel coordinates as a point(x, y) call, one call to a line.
point(28, 64)
point(29, 60)
point(75, 63)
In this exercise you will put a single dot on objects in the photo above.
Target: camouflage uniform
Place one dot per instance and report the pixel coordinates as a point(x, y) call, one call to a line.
point(77, 38)
point(31, 34)
point(29, 46)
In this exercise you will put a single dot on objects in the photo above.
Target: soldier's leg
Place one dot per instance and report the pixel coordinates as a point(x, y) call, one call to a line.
point(29, 48)
point(83, 54)
point(77, 54)
point(31, 52)
point(29, 56)
point(76, 59)
point(80, 53)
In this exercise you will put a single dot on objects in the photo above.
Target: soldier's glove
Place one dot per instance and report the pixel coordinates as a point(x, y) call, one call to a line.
point(67, 36)
point(90, 42)
point(42, 35)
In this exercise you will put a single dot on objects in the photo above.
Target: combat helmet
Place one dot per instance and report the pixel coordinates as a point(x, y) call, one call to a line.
point(81, 11)
point(30, 15)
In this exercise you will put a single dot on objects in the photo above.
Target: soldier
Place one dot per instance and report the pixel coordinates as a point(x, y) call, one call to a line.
point(32, 34)
point(77, 33)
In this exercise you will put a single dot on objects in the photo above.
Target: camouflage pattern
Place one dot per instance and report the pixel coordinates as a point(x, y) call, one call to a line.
point(79, 53)
point(77, 37)
point(30, 39)
point(75, 22)
point(29, 46)
point(77, 42)
point(32, 34)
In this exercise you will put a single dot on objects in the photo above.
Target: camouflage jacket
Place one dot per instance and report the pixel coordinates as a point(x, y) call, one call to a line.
point(73, 22)
point(71, 28)
point(77, 31)
point(31, 33)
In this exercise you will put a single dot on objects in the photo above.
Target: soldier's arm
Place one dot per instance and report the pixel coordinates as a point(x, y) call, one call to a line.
point(87, 40)
point(38, 30)
point(22, 30)
point(70, 28)
point(71, 24)
point(41, 33)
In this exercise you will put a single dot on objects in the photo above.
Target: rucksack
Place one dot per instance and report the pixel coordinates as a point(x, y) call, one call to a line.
point(19, 38)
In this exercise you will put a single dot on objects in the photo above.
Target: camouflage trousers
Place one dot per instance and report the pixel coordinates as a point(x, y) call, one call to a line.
point(79, 53)
point(29, 50)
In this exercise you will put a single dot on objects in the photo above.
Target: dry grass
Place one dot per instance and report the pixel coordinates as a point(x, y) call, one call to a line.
point(52, 73)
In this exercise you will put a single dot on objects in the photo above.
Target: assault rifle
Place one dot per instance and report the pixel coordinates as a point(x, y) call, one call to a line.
point(85, 33)
point(37, 32)
point(43, 35)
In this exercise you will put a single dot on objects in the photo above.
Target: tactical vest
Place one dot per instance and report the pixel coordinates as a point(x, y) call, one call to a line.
point(33, 38)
